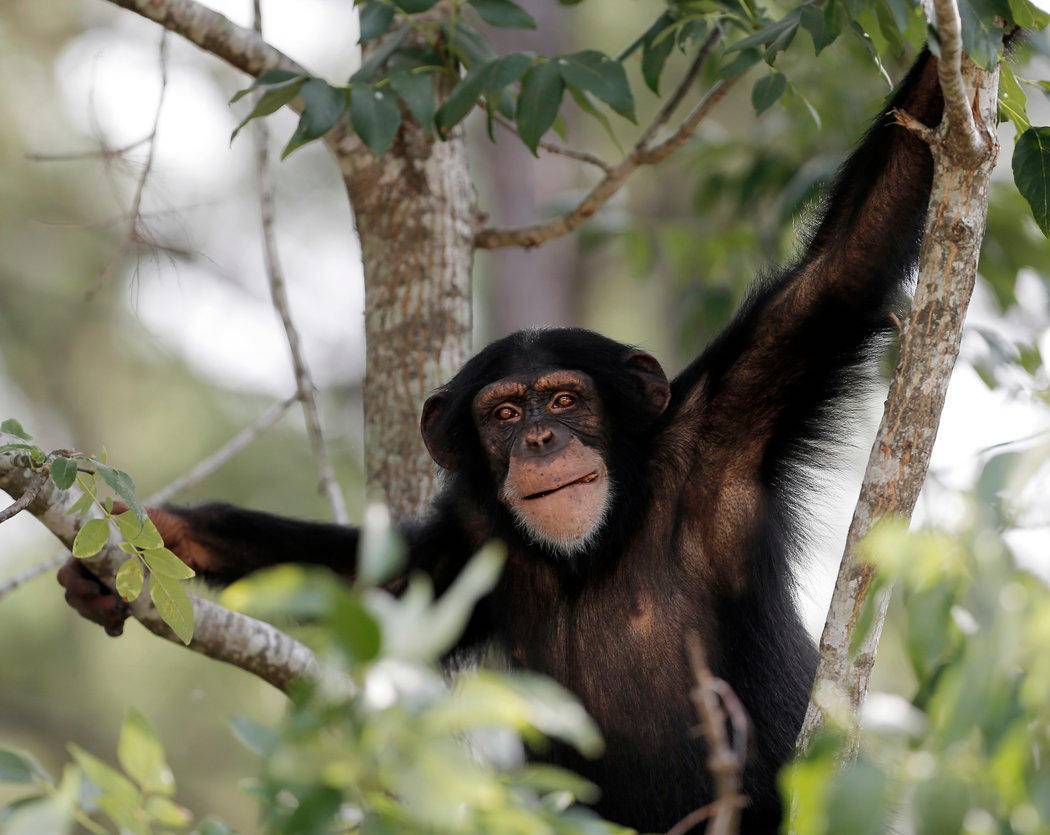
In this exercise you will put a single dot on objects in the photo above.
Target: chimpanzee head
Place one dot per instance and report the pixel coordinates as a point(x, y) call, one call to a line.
point(553, 424)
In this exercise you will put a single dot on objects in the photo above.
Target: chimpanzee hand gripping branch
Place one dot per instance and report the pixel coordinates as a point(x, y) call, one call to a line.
point(634, 509)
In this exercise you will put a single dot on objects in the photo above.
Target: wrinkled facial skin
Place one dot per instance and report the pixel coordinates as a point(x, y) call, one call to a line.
point(543, 437)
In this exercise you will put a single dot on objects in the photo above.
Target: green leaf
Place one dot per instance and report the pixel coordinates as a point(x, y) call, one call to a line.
point(982, 37)
point(140, 532)
point(163, 561)
point(415, 6)
point(822, 30)
point(173, 603)
point(503, 13)
point(30, 448)
point(1027, 15)
point(124, 486)
point(941, 803)
point(375, 116)
point(273, 99)
point(468, 44)
point(13, 427)
point(601, 76)
point(740, 64)
point(63, 473)
point(322, 107)
point(355, 630)
point(507, 70)
point(587, 106)
point(416, 90)
point(1013, 102)
point(375, 19)
point(91, 538)
point(376, 59)
point(141, 755)
point(655, 52)
point(81, 505)
point(255, 737)
point(267, 79)
point(106, 778)
point(767, 90)
point(129, 579)
point(1031, 164)
point(381, 551)
point(539, 102)
point(771, 33)
point(463, 97)
point(16, 767)
point(165, 812)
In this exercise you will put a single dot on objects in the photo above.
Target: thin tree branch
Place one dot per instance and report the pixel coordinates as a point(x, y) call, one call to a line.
point(715, 701)
point(103, 153)
point(236, 639)
point(213, 462)
point(929, 348)
point(560, 150)
point(958, 106)
point(215, 33)
point(643, 153)
point(23, 501)
point(32, 573)
point(134, 234)
point(306, 391)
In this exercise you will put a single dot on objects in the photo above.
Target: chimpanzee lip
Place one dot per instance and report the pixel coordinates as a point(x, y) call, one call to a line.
point(590, 478)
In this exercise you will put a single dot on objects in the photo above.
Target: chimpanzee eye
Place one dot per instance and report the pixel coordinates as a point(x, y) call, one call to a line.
point(506, 412)
point(563, 400)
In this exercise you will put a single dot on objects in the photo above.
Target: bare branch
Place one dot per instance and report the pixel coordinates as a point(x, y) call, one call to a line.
point(715, 700)
point(103, 153)
point(236, 639)
point(23, 501)
point(306, 391)
point(643, 154)
point(32, 573)
point(958, 110)
point(135, 234)
point(215, 33)
point(929, 348)
point(560, 150)
point(213, 462)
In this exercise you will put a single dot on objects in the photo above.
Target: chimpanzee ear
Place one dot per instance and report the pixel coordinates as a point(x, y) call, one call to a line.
point(656, 391)
point(436, 439)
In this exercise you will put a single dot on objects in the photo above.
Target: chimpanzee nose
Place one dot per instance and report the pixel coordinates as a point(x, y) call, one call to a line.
point(538, 438)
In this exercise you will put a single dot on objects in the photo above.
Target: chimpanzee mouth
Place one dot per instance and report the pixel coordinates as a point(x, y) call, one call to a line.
point(585, 479)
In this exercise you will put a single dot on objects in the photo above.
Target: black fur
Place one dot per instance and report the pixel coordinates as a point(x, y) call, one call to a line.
point(706, 517)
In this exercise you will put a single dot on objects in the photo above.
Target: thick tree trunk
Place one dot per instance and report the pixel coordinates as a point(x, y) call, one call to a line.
point(414, 209)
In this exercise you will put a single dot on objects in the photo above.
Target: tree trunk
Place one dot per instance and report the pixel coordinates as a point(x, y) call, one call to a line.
point(929, 348)
point(414, 208)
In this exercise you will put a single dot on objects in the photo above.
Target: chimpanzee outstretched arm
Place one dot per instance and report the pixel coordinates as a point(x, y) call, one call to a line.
point(762, 397)
point(223, 543)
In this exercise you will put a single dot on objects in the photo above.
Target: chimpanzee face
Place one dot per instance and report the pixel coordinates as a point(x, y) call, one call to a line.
point(543, 437)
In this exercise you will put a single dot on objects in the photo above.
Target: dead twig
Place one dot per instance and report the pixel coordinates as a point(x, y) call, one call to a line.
point(560, 150)
point(305, 389)
point(643, 153)
point(717, 704)
point(213, 462)
point(23, 501)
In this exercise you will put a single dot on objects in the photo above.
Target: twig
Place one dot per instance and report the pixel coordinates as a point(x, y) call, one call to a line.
point(958, 109)
point(32, 573)
point(23, 501)
point(278, 291)
point(213, 462)
point(134, 234)
point(560, 150)
point(643, 153)
point(103, 152)
point(714, 700)
point(236, 639)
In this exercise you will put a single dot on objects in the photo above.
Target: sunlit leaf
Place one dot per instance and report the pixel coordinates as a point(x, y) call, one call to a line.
point(141, 755)
point(165, 562)
point(174, 605)
point(129, 579)
point(91, 538)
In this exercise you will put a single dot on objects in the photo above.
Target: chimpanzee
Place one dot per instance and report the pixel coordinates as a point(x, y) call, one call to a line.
point(635, 510)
